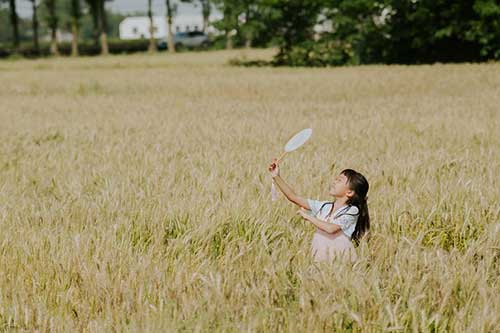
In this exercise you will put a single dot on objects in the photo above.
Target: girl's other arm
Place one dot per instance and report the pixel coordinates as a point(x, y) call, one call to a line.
point(325, 226)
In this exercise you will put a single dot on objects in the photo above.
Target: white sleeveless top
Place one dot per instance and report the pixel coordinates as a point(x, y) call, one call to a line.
point(346, 217)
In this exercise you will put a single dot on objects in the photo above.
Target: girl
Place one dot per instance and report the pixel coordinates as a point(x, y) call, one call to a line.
point(337, 222)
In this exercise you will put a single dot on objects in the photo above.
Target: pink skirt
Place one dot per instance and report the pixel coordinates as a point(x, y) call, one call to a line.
point(326, 246)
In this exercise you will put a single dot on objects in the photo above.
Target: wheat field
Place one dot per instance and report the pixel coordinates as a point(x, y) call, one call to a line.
point(135, 195)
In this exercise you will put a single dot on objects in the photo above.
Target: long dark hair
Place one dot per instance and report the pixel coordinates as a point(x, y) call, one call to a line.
point(359, 185)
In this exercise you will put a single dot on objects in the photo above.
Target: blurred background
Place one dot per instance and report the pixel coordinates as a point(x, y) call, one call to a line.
point(306, 32)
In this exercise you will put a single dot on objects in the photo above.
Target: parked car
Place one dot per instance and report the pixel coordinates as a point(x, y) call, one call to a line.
point(190, 39)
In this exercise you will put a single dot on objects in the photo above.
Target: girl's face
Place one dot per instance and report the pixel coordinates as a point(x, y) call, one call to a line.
point(340, 187)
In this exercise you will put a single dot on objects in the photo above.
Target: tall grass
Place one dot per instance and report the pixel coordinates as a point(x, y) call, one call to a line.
point(135, 196)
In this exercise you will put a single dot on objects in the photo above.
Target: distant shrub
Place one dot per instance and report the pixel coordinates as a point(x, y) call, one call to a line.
point(85, 48)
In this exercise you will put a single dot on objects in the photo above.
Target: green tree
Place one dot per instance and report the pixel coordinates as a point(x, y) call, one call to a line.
point(152, 42)
point(90, 31)
point(76, 14)
point(52, 22)
point(14, 23)
point(35, 25)
point(93, 6)
point(171, 9)
point(230, 9)
point(424, 31)
point(103, 35)
point(5, 26)
point(485, 28)
point(429, 30)
point(251, 25)
point(293, 22)
point(206, 9)
point(97, 10)
point(357, 32)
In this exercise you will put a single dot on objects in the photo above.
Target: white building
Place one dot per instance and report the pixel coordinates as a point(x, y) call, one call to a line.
point(137, 27)
point(323, 24)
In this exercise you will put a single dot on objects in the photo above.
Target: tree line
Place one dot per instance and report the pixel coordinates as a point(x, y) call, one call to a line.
point(70, 15)
point(310, 32)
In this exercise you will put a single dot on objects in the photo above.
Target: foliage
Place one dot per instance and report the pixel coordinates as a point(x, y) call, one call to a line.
point(361, 31)
point(88, 47)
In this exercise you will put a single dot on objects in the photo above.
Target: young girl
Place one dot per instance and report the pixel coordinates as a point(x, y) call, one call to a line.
point(339, 222)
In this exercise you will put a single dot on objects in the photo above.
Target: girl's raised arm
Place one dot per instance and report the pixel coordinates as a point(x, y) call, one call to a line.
point(285, 188)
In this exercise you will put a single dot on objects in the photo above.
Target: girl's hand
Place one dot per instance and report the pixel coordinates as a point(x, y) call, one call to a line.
point(303, 212)
point(274, 168)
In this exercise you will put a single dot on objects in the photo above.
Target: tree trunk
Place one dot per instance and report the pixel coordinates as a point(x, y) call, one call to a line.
point(228, 26)
point(13, 22)
point(104, 43)
point(35, 27)
point(53, 42)
point(152, 41)
point(94, 11)
point(206, 14)
point(74, 41)
point(170, 39)
point(51, 7)
point(75, 26)
point(229, 41)
point(103, 37)
point(249, 33)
